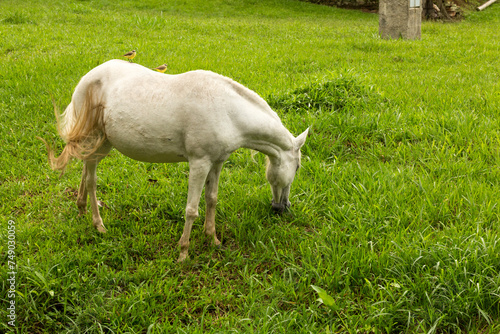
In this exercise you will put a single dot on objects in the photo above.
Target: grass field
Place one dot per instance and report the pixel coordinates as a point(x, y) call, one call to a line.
point(395, 216)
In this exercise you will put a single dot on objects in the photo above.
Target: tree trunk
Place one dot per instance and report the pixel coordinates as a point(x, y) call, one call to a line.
point(429, 12)
point(443, 10)
point(427, 8)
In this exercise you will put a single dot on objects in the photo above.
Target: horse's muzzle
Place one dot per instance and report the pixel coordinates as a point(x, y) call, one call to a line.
point(280, 208)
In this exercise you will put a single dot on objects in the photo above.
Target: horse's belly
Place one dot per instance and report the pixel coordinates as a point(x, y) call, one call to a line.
point(146, 142)
point(147, 154)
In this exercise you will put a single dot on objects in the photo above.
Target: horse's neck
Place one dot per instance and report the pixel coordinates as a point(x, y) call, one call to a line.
point(270, 140)
point(259, 126)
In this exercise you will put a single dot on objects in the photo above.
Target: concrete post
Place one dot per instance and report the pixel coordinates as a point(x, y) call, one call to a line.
point(400, 19)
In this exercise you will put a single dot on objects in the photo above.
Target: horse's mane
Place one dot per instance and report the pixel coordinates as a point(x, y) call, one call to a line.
point(249, 95)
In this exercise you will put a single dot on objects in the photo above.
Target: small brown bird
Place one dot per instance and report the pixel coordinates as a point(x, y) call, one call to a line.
point(161, 68)
point(130, 55)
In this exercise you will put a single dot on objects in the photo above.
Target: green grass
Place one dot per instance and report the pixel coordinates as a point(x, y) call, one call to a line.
point(395, 211)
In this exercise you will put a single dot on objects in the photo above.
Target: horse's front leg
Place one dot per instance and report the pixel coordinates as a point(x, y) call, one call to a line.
point(81, 200)
point(198, 171)
point(211, 190)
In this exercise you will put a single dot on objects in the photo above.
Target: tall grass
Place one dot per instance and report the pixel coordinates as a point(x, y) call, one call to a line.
point(395, 209)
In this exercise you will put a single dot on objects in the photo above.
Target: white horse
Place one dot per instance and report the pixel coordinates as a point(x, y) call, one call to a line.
point(199, 116)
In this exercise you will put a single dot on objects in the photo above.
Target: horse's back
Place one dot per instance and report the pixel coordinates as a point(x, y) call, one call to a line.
point(157, 117)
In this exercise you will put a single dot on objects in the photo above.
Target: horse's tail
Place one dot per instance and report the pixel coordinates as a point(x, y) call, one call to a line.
point(81, 126)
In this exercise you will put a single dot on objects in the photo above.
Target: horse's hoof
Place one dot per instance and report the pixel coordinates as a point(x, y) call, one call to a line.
point(101, 228)
point(217, 243)
point(182, 257)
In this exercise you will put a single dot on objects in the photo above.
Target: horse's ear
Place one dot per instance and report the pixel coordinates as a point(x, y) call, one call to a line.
point(301, 139)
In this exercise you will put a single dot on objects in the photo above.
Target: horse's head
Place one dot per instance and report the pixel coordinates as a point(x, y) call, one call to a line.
point(281, 171)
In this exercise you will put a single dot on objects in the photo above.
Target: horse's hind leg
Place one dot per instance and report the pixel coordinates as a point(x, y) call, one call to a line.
point(81, 200)
point(211, 190)
point(91, 184)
